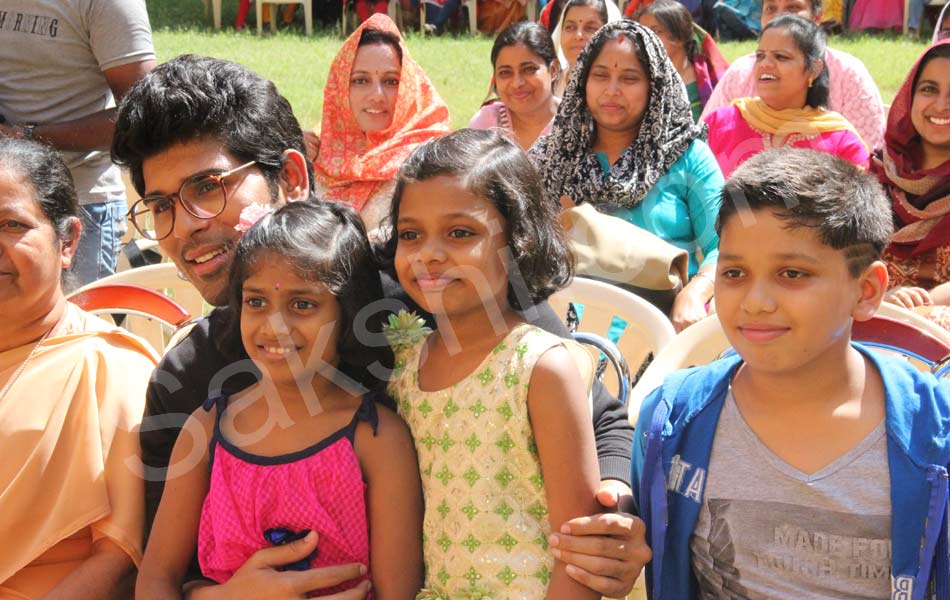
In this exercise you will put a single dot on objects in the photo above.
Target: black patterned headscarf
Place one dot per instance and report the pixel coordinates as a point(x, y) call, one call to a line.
point(564, 157)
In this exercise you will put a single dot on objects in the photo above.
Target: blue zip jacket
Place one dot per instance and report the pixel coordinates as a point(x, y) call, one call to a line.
point(678, 422)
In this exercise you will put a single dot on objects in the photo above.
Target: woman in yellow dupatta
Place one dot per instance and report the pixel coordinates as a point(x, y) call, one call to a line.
point(72, 391)
point(792, 83)
point(378, 106)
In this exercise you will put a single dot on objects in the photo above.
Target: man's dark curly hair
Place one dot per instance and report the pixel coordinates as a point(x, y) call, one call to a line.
point(490, 165)
point(196, 97)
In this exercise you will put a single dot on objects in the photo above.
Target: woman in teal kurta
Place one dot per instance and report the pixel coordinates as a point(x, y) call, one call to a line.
point(682, 205)
point(652, 169)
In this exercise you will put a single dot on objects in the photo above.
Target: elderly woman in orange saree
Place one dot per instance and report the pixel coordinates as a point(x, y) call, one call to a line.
point(378, 106)
point(72, 392)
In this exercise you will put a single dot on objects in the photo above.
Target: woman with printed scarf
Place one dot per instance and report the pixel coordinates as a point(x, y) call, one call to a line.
point(625, 141)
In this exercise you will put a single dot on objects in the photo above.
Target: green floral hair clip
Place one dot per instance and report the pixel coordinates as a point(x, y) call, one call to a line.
point(405, 329)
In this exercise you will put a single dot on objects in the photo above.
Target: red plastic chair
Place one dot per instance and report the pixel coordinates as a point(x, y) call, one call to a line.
point(149, 313)
point(903, 338)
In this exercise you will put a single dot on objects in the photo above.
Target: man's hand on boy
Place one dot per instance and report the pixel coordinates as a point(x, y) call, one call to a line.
point(605, 552)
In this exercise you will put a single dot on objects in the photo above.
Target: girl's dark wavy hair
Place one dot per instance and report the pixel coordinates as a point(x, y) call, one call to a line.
point(326, 243)
point(490, 165)
point(811, 40)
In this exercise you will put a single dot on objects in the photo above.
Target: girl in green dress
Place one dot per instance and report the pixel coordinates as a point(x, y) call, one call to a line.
point(497, 408)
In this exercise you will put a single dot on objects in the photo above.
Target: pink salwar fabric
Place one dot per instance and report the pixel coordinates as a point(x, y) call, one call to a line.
point(733, 141)
point(853, 93)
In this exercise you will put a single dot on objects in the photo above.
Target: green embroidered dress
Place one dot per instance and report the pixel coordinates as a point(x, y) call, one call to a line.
point(486, 527)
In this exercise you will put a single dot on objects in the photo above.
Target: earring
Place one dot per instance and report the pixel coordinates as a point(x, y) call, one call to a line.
point(810, 82)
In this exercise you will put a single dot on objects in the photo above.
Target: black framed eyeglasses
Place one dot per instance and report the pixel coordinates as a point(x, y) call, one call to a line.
point(204, 196)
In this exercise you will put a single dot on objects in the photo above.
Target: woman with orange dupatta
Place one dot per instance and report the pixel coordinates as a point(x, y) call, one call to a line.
point(72, 393)
point(378, 106)
point(915, 171)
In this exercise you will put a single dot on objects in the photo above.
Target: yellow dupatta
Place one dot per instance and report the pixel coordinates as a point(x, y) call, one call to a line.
point(70, 448)
point(806, 121)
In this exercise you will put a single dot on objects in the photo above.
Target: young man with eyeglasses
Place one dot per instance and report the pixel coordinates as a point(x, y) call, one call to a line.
point(203, 139)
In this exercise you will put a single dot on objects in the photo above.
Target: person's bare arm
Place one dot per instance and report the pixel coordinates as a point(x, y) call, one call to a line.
point(909, 297)
point(107, 574)
point(606, 552)
point(94, 131)
point(174, 536)
point(941, 294)
point(174, 539)
point(391, 469)
point(560, 421)
point(258, 578)
point(689, 306)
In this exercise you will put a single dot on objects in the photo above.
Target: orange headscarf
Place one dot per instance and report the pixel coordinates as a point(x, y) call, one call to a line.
point(353, 165)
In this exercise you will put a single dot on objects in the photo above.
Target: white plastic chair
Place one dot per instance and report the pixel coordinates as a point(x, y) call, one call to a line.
point(162, 277)
point(648, 330)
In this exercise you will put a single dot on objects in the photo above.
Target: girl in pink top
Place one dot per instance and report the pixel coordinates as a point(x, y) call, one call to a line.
point(306, 449)
point(792, 85)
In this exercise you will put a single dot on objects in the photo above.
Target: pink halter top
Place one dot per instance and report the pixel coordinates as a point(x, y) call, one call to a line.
point(254, 502)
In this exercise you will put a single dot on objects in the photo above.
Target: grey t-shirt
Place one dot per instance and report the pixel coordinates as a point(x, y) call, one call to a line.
point(52, 57)
point(769, 531)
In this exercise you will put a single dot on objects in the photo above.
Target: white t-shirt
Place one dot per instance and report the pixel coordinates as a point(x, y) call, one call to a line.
point(52, 57)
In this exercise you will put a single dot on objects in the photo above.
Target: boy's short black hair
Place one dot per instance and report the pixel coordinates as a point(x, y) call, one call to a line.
point(490, 165)
point(192, 97)
point(806, 188)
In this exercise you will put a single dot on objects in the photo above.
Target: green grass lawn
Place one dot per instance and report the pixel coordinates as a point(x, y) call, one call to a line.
point(458, 66)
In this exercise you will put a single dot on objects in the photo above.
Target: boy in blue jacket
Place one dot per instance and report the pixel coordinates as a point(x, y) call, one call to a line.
point(806, 466)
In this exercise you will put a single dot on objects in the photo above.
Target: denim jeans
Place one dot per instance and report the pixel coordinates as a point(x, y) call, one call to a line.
point(103, 226)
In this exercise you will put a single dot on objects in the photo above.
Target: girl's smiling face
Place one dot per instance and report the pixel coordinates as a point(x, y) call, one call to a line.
point(374, 86)
point(289, 325)
point(451, 253)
